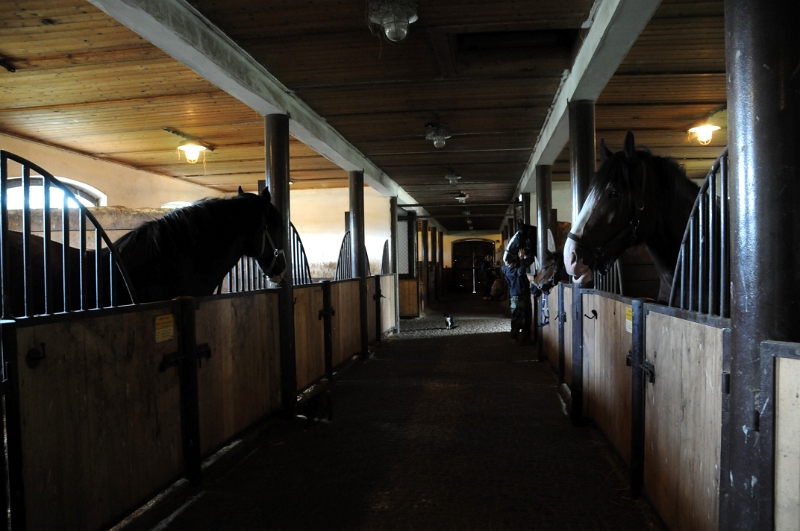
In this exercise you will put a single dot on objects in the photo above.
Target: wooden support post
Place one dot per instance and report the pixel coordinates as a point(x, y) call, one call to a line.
point(440, 277)
point(423, 278)
point(359, 253)
point(277, 176)
point(544, 201)
point(762, 54)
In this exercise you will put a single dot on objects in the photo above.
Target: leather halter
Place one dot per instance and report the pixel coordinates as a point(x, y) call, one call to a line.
point(265, 235)
point(628, 234)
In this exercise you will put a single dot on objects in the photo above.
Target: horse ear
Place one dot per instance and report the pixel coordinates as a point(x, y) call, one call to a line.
point(605, 153)
point(241, 192)
point(265, 195)
point(551, 242)
point(630, 147)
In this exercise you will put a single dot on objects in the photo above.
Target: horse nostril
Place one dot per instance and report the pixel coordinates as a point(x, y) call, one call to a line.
point(573, 258)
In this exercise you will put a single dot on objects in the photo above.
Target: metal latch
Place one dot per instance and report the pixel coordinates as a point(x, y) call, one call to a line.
point(650, 371)
point(173, 359)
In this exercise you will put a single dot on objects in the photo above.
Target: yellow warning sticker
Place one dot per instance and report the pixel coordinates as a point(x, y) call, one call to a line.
point(629, 319)
point(165, 328)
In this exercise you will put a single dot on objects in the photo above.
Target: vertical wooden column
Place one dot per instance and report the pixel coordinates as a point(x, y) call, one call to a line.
point(440, 260)
point(762, 56)
point(394, 264)
point(423, 277)
point(276, 131)
point(544, 202)
point(433, 293)
point(358, 251)
point(582, 166)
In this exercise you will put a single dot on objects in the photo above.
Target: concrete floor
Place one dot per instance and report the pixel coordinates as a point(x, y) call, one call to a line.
point(439, 430)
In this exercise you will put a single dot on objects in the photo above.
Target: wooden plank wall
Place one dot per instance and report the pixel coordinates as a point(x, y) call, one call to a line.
point(372, 323)
point(241, 383)
point(550, 331)
point(309, 334)
point(607, 378)
point(787, 451)
point(345, 323)
point(683, 420)
point(101, 427)
point(409, 297)
point(388, 303)
point(567, 335)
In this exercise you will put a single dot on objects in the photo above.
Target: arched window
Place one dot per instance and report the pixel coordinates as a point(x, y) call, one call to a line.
point(87, 195)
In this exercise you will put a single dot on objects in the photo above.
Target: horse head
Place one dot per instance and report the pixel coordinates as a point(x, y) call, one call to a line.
point(552, 269)
point(619, 211)
point(524, 238)
point(267, 243)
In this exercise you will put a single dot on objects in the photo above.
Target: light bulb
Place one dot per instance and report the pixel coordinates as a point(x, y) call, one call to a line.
point(438, 142)
point(704, 133)
point(395, 26)
point(191, 151)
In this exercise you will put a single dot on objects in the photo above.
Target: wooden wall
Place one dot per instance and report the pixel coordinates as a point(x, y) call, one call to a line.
point(567, 334)
point(683, 422)
point(388, 303)
point(550, 331)
point(607, 378)
point(345, 322)
point(787, 451)
point(241, 382)
point(409, 297)
point(372, 323)
point(101, 427)
point(309, 334)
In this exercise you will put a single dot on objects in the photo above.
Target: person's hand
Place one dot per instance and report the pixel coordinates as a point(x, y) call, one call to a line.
point(521, 253)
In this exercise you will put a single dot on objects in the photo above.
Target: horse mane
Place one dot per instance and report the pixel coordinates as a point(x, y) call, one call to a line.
point(183, 230)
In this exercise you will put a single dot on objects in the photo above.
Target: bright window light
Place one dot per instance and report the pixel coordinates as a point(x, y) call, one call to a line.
point(15, 198)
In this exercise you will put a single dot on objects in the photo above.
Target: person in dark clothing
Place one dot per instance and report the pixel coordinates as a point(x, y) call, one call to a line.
point(519, 291)
point(487, 270)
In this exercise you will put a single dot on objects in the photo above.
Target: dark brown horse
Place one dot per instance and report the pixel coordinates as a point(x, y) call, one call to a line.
point(187, 252)
point(634, 197)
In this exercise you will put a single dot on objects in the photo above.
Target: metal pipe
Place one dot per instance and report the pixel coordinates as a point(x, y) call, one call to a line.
point(66, 276)
point(26, 241)
point(4, 271)
point(358, 252)
point(458, 205)
point(762, 54)
point(582, 151)
point(526, 208)
point(276, 131)
point(423, 277)
point(544, 201)
point(47, 235)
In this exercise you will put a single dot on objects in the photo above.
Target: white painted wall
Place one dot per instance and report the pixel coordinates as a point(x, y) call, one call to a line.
point(318, 216)
point(124, 186)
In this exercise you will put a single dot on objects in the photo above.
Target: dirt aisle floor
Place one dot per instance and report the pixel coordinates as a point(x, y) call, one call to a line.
point(439, 430)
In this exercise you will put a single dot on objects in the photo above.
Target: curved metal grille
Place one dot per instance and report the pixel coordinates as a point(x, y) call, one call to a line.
point(344, 264)
point(97, 274)
point(611, 281)
point(702, 274)
point(246, 275)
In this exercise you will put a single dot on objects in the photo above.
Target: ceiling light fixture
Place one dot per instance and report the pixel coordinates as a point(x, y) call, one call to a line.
point(438, 133)
point(462, 197)
point(393, 16)
point(453, 178)
point(704, 132)
point(191, 150)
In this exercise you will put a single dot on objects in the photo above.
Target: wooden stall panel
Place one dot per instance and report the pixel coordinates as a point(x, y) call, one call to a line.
point(388, 303)
point(550, 330)
point(241, 382)
point(101, 427)
point(345, 323)
point(568, 335)
point(683, 418)
point(607, 373)
point(372, 323)
point(409, 297)
point(590, 303)
point(309, 334)
point(787, 451)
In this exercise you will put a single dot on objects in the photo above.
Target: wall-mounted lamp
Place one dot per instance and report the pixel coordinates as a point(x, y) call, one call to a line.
point(393, 16)
point(462, 197)
point(438, 133)
point(704, 132)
